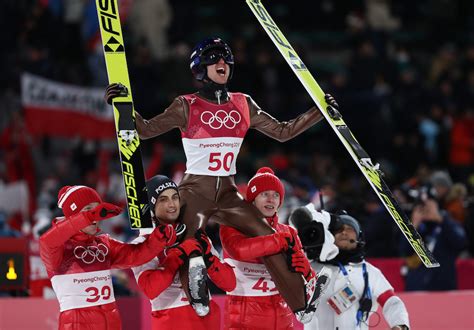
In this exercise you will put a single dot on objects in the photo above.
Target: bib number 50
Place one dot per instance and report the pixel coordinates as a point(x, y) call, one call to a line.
point(218, 161)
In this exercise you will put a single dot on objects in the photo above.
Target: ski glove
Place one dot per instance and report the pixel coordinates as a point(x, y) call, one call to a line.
point(102, 211)
point(285, 240)
point(330, 100)
point(333, 107)
point(188, 247)
point(206, 246)
point(113, 91)
point(300, 264)
point(166, 233)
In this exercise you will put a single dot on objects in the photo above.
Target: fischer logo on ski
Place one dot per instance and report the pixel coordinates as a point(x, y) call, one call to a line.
point(113, 46)
point(371, 172)
point(127, 137)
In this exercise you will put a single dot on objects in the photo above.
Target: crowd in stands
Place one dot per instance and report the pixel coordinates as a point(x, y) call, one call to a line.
point(401, 71)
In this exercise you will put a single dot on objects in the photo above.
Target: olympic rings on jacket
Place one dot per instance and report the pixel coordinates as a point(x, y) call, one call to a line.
point(89, 254)
point(221, 118)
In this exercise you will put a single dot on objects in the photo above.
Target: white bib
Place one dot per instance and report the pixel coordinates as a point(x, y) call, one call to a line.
point(83, 289)
point(212, 156)
point(173, 296)
point(252, 279)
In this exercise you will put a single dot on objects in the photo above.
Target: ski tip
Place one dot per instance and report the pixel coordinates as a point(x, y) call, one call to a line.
point(432, 265)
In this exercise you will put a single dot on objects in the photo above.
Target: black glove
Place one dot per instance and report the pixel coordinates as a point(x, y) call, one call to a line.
point(333, 107)
point(206, 246)
point(330, 100)
point(115, 90)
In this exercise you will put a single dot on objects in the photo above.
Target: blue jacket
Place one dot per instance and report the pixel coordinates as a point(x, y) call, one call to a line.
point(446, 240)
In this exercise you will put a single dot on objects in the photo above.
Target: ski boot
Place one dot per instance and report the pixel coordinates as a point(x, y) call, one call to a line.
point(198, 290)
point(314, 289)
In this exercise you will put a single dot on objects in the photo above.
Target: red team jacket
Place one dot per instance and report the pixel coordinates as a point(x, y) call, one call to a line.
point(255, 302)
point(79, 268)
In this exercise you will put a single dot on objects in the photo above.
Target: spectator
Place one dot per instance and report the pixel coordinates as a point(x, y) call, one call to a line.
point(445, 238)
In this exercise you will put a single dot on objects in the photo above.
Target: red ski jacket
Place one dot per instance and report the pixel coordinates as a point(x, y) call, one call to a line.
point(79, 268)
point(255, 302)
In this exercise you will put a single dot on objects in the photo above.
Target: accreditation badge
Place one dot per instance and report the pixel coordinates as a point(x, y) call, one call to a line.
point(343, 299)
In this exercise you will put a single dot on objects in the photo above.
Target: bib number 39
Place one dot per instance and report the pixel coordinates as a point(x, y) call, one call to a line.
point(95, 295)
point(218, 161)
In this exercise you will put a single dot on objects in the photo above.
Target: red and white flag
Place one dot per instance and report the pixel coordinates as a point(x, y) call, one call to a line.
point(58, 109)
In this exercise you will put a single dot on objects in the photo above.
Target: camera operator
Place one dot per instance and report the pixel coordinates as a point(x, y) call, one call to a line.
point(444, 237)
point(357, 288)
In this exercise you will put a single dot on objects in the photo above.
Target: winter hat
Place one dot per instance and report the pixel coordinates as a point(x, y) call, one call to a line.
point(350, 221)
point(441, 178)
point(72, 199)
point(156, 185)
point(265, 179)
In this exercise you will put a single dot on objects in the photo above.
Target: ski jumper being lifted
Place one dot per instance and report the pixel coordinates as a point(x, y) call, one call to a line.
point(213, 123)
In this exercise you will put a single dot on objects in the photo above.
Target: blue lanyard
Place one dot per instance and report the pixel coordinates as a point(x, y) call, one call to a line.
point(343, 269)
point(367, 294)
point(365, 274)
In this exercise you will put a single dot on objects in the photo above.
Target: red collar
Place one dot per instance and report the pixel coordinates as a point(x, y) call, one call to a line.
point(273, 221)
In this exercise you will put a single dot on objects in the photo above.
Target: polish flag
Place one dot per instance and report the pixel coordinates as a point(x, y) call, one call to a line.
point(62, 110)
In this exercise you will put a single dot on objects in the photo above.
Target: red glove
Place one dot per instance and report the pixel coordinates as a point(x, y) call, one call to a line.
point(102, 211)
point(166, 233)
point(285, 240)
point(185, 249)
point(206, 246)
point(300, 264)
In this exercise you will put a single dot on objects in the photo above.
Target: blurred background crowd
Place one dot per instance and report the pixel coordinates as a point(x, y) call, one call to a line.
point(402, 72)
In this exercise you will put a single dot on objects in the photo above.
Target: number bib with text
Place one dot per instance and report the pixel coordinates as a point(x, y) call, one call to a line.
point(83, 289)
point(252, 279)
point(212, 156)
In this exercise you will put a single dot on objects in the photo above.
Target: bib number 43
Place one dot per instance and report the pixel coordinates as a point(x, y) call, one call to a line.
point(218, 161)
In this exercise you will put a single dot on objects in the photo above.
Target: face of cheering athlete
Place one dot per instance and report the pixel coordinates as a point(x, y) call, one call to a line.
point(167, 206)
point(267, 202)
point(92, 228)
point(345, 238)
point(219, 72)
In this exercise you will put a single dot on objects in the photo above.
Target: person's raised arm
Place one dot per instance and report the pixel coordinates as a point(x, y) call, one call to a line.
point(285, 130)
point(175, 116)
point(52, 241)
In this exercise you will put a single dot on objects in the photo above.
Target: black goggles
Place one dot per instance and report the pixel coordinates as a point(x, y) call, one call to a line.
point(213, 56)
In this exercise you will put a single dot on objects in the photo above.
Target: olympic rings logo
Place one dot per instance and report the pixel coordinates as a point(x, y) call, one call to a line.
point(221, 118)
point(89, 254)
